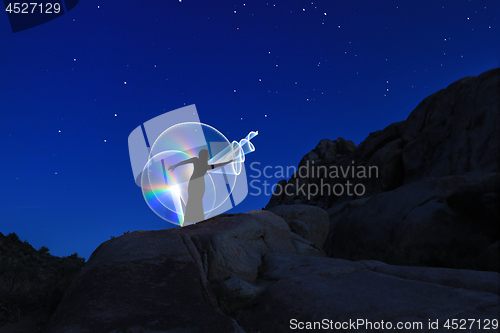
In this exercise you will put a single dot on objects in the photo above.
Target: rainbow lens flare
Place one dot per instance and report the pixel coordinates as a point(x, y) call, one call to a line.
point(166, 191)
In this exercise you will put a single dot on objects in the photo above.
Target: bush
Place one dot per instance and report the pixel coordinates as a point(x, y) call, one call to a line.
point(43, 250)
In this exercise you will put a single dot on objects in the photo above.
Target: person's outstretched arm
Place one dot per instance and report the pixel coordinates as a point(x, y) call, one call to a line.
point(172, 167)
point(218, 165)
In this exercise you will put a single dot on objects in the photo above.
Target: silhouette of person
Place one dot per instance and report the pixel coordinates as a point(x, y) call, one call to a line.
point(196, 186)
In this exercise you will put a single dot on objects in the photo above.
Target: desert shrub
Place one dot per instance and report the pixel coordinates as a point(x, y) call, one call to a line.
point(43, 250)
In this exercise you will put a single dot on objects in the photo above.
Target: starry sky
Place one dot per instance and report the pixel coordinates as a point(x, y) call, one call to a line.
point(297, 71)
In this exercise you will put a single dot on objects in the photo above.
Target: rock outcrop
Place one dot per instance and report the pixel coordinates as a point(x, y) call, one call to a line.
point(242, 273)
point(309, 222)
point(159, 281)
point(142, 282)
point(434, 196)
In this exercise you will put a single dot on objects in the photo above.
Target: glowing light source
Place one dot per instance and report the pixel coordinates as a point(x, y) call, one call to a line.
point(166, 189)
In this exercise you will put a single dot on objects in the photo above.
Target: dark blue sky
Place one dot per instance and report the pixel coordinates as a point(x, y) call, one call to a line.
point(297, 71)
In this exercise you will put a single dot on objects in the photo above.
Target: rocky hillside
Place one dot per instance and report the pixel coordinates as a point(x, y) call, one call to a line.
point(32, 283)
point(433, 195)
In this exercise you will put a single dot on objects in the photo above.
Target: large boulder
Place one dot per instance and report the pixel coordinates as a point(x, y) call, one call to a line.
point(142, 282)
point(427, 222)
point(454, 131)
point(234, 244)
point(309, 222)
point(161, 281)
point(434, 199)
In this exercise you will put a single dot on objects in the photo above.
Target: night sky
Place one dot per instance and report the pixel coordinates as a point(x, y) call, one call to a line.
point(74, 88)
